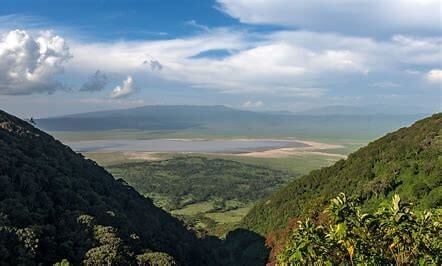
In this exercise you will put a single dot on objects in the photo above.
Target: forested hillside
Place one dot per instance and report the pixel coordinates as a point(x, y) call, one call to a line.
point(407, 162)
point(56, 205)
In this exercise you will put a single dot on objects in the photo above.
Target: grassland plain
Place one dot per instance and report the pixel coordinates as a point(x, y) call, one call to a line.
point(208, 193)
point(297, 161)
point(206, 215)
point(360, 138)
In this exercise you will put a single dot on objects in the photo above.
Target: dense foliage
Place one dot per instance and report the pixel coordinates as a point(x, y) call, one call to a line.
point(393, 235)
point(180, 181)
point(56, 205)
point(407, 162)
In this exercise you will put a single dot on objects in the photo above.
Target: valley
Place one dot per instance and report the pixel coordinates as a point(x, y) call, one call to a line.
point(216, 214)
point(171, 178)
point(156, 159)
point(216, 204)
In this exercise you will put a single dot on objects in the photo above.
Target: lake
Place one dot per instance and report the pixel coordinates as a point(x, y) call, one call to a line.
point(184, 145)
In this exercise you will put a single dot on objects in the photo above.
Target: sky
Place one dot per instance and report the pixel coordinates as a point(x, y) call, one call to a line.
point(72, 56)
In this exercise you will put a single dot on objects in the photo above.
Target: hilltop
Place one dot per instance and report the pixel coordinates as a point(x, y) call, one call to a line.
point(407, 162)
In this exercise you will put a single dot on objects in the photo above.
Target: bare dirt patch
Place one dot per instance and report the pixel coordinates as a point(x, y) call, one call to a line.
point(141, 155)
point(312, 148)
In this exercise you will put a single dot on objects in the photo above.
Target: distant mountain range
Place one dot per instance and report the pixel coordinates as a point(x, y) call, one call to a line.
point(221, 120)
point(153, 117)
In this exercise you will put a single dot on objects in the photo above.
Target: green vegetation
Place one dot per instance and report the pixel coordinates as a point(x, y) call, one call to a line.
point(181, 181)
point(206, 217)
point(393, 235)
point(407, 162)
point(58, 208)
point(296, 165)
point(293, 164)
point(56, 205)
point(193, 185)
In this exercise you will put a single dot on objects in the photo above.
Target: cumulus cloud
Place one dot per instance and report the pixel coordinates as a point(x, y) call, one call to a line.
point(435, 75)
point(252, 104)
point(124, 90)
point(29, 65)
point(345, 16)
point(97, 82)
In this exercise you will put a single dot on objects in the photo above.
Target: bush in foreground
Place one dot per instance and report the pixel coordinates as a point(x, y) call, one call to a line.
point(394, 235)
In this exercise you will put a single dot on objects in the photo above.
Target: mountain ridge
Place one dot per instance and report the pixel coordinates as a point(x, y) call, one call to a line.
point(407, 162)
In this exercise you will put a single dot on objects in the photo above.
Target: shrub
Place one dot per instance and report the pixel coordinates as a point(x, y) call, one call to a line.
point(392, 235)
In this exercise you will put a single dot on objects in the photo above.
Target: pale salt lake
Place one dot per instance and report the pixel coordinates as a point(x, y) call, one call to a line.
point(184, 145)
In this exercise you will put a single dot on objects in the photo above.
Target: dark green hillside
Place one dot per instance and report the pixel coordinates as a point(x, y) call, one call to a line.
point(56, 205)
point(185, 180)
point(407, 162)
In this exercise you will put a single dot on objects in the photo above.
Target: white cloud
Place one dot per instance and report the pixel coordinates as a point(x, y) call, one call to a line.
point(29, 65)
point(281, 63)
point(125, 90)
point(252, 104)
point(435, 75)
point(294, 63)
point(347, 16)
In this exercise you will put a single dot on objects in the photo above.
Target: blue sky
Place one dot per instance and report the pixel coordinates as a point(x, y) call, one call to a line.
point(59, 57)
point(110, 20)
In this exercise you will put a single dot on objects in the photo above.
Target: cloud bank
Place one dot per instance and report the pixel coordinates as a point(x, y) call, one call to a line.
point(29, 65)
point(295, 63)
point(357, 17)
